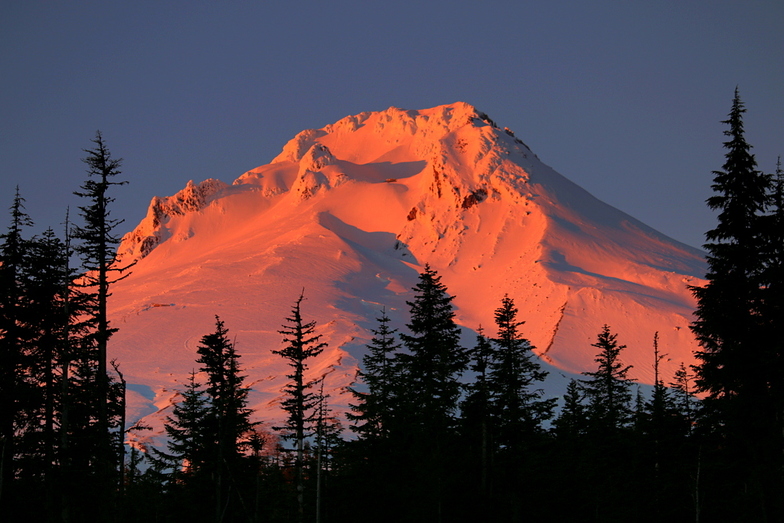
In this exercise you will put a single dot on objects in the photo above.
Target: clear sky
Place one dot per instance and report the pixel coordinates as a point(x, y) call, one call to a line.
point(623, 98)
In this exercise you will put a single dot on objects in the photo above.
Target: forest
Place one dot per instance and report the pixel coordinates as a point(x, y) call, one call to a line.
point(437, 432)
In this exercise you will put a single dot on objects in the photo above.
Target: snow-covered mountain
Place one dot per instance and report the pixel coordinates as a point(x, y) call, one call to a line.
point(351, 213)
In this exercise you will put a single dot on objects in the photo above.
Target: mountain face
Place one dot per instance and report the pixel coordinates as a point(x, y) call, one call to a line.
point(349, 214)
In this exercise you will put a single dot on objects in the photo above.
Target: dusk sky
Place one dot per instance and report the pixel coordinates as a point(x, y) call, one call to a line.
point(623, 98)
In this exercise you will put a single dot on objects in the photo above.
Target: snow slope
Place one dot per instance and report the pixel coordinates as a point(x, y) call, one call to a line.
point(350, 213)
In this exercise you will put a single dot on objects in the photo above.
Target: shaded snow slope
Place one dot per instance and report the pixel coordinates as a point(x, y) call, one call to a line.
point(350, 213)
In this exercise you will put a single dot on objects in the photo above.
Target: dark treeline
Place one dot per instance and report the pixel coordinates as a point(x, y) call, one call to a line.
point(437, 432)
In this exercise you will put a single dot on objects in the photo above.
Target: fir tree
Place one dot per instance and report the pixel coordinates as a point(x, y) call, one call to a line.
point(683, 395)
point(12, 339)
point(430, 371)
point(302, 344)
point(186, 428)
point(728, 305)
point(227, 418)
point(373, 411)
point(476, 421)
point(98, 252)
point(518, 408)
point(738, 327)
point(435, 359)
point(608, 389)
point(571, 421)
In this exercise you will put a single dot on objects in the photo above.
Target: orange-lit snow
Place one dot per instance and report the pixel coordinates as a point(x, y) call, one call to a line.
point(350, 213)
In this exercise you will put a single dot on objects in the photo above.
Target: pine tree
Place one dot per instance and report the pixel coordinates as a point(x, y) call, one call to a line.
point(47, 282)
point(189, 448)
point(476, 422)
point(683, 395)
point(302, 344)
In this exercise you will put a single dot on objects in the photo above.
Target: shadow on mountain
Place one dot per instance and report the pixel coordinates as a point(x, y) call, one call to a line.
point(377, 172)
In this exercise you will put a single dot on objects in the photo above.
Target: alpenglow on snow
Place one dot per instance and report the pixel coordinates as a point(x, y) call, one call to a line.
point(351, 213)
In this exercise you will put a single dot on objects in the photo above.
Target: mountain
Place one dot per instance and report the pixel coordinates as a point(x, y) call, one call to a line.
point(349, 214)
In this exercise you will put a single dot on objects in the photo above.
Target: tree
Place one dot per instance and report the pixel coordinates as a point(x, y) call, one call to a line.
point(98, 252)
point(302, 344)
point(571, 421)
point(186, 429)
point(518, 409)
point(683, 395)
point(430, 371)
point(608, 389)
point(728, 305)
point(435, 359)
point(374, 409)
point(228, 417)
point(46, 277)
point(12, 337)
point(738, 326)
point(476, 424)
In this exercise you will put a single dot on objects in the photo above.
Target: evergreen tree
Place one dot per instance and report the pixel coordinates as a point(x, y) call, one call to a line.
point(476, 421)
point(189, 465)
point(13, 339)
point(518, 409)
point(738, 326)
point(187, 430)
point(302, 344)
point(435, 359)
point(608, 389)
point(728, 306)
point(228, 417)
point(683, 395)
point(98, 252)
point(430, 371)
point(47, 280)
point(374, 409)
point(572, 420)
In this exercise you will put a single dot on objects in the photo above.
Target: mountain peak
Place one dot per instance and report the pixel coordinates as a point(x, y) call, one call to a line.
point(352, 211)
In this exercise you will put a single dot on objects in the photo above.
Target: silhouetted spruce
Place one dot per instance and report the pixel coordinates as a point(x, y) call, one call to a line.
point(301, 344)
point(608, 389)
point(98, 250)
point(739, 328)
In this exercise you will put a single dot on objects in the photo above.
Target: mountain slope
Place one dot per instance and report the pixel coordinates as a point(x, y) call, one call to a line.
point(350, 213)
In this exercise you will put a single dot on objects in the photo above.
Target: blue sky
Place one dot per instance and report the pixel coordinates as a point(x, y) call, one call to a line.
point(623, 98)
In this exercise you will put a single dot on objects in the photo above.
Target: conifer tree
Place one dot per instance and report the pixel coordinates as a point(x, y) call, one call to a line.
point(374, 410)
point(738, 327)
point(518, 408)
point(435, 359)
point(729, 305)
point(12, 339)
point(228, 417)
point(608, 389)
point(476, 420)
point(430, 371)
point(98, 252)
point(47, 281)
point(302, 344)
point(571, 421)
point(188, 444)
point(683, 395)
